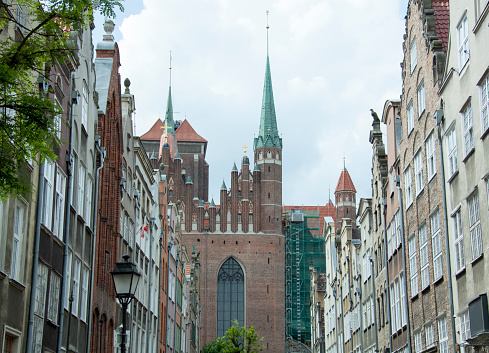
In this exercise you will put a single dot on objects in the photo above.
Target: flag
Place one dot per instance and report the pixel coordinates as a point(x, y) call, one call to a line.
point(143, 229)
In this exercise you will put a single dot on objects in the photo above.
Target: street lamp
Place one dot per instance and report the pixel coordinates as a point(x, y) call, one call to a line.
point(126, 278)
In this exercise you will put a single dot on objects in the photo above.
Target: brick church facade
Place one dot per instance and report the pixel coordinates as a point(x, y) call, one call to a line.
point(240, 240)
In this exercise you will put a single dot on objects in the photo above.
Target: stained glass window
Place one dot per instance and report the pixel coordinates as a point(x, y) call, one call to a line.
point(230, 296)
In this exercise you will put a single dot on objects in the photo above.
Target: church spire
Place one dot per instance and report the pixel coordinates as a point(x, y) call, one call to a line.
point(169, 125)
point(268, 135)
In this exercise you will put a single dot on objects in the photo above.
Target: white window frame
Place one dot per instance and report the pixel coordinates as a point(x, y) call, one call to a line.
point(436, 245)
point(418, 172)
point(69, 262)
point(484, 93)
point(88, 202)
point(429, 335)
point(413, 54)
point(431, 155)
point(423, 257)
point(59, 204)
point(47, 218)
point(421, 98)
point(413, 265)
point(53, 302)
point(468, 129)
point(418, 342)
point(443, 336)
point(464, 328)
point(84, 105)
point(393, 308)
point(408, 186)
point(81, 188)
point(475, 225)
point(84, 293)
point(39, 307)
point(410, 117)
point(458, 235)
point(76, 286)
point(18, 242)
point(402, 292)
point(463, 41)
point(452, 151)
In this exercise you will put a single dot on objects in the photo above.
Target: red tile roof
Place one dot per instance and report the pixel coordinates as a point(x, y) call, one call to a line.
point(154, 134)
point(344, 182)
point(442, 20)
point(186, 133)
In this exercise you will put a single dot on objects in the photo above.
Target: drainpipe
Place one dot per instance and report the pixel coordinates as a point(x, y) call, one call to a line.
point(133, 245)
point(439, 120)
point(150, 286)
point(406, 313)
point(102, 152)
point(66, 286)
point(35, 260)
point(175, 316)
point(386, 260)
point(159, 290)
point(359, 317)
point(375, 306)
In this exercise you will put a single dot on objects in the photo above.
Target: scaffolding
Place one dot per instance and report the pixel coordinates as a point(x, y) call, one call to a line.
point(304, 247)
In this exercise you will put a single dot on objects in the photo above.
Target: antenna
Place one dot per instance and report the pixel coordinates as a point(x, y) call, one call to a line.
point(268, 27)
point(170, 67)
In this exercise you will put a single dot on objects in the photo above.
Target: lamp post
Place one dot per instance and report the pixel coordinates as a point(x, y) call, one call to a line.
point(126, 278)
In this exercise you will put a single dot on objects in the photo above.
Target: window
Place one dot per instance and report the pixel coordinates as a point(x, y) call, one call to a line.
point(59, 204)
point(421, 98)
point(423, 254)
point(69, 261)
point(403, 300)
point(484, 89)
point(76, 286)
point(81, 188)
point(452, 152)
point(463, 41)
point(459, 240)
point(57, 120)
point(230, 296)
point(413, 266)
point(418, 172)
point(468, 129)
point(408, 187)
point(430, 338)
point(84, 117)
point(39, 307)
point(53, 303)
point(436, 245)
point(47, 217)
point(84, 294)
point(389, 241)
point(443, 335)
point(393, 309)
point(88, 204)
point(418, 343)
point(410, 117)
point(430, 155)
point(413, 54)
point(17, 243)
point(464, 328)
point(475, 225)
point(398, 303)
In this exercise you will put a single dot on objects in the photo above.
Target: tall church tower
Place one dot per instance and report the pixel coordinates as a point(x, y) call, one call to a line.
point(345, 195)
point(268, 158)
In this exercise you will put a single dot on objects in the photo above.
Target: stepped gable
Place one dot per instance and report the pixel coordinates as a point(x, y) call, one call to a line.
point(186, 133)
point(442, 20)
point(154, 134)
point(344, 182)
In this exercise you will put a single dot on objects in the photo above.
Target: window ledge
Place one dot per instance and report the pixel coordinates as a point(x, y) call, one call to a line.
point(414, 297)
point(471, 152)
point(453, 176)
point(16, 284)
point(421, 115)
point(438, 280)
point(460, 273)
point(477, 259)
point(484, 134)
point(430, 179)
point(425, 289)
point(2, 275)
point(52, 323)
point(418, 195)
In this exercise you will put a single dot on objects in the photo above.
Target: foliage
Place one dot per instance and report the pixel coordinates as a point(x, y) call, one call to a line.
point(35, 36)
point(216, 346)
point(235, 340)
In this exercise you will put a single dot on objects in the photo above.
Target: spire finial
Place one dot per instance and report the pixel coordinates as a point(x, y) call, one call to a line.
point(244, 147)
point(329, 192)
point(344, 163)
point(170, 67)
point(268, 27)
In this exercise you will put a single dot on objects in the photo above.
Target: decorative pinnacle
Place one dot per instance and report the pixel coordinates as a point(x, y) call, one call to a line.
point(244, 147)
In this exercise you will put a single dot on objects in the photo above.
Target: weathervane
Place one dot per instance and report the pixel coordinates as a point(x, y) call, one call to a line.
point(244, 147)
point(170, 67)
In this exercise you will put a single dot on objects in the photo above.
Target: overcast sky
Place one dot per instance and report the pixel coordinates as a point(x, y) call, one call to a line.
point(331, 61)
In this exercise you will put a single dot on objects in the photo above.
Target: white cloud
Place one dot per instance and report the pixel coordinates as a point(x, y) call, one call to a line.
point(331, 61)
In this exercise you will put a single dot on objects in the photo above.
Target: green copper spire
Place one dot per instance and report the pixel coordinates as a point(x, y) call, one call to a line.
point(268, 134)
point(169, 125)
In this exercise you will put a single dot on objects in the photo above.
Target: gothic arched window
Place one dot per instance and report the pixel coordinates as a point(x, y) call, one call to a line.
point(230, 296)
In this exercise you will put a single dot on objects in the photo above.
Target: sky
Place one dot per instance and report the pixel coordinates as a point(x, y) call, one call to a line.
point(331, 61)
